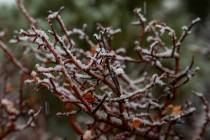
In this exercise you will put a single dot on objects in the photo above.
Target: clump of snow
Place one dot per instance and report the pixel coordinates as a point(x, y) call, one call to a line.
point(119, 71)
point(196, 20)
point(33, 74)
point(185, 28)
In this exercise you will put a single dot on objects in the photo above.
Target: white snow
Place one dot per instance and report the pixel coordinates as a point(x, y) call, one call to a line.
point(196, 20)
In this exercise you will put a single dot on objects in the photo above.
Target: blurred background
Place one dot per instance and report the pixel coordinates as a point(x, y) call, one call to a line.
point(116, 13)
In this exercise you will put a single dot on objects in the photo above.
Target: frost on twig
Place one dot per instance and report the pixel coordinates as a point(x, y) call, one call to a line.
point(95, 80)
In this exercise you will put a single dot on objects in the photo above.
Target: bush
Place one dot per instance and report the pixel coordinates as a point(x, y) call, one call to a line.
point(102, 97)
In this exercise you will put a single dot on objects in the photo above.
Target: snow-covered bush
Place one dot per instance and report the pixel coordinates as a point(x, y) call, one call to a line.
point(95, 81)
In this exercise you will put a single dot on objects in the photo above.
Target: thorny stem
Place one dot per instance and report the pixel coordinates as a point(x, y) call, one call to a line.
point(25, 13)
point(12, 58)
